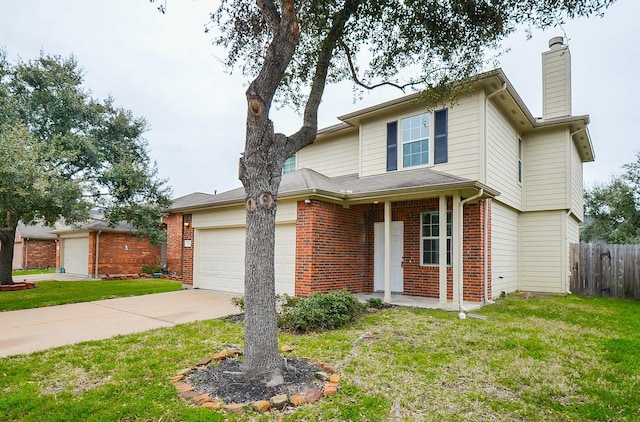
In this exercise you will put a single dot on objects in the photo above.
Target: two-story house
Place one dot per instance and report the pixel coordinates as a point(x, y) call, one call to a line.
point(455, 204)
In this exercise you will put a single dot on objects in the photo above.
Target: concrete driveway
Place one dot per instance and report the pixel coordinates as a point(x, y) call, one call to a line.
point(29, 330)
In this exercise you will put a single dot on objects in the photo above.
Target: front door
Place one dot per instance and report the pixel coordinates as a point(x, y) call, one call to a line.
point(397, 248)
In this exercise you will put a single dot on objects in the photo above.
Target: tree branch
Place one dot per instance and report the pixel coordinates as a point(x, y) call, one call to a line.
point(270, 13)
point(356, 79)
point(307, 133)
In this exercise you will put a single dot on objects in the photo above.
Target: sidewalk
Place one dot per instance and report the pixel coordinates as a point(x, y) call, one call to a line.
point(29, 330)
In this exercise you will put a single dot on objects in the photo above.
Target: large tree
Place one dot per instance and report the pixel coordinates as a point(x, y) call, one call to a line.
point(64, 154)
point(612, 209)
point(292, 49)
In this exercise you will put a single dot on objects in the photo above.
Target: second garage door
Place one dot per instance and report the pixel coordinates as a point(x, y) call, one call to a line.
point(75, 255)
point(219, 259)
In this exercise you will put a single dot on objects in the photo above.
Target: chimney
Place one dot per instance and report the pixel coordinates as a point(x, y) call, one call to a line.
point(556, 80)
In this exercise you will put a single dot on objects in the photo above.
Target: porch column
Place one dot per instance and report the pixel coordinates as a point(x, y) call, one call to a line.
point(387, 252)
point(442, 248)
point(456, 259)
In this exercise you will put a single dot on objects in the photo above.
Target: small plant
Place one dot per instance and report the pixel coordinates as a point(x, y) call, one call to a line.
point(374, 302)
point(151, 269)
point(238, 302)
point(320, 311)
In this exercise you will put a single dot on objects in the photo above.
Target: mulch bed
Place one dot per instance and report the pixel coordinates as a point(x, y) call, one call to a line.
point(226, 381)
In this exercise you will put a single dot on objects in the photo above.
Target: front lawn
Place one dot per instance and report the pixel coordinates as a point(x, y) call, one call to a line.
point(49, 293)
point(17, 273)
point(538, 359)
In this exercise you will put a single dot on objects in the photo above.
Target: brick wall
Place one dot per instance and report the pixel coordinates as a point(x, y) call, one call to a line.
point(174, 243)
point(187, 252)
point(333, 249)
point(420, 280)
point(121, 253)
point(38, 253)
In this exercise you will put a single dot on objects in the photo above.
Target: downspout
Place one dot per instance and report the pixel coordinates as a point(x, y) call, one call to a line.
point(567, 260)
point(462, 314)
point(95, 270)
point(486, 258)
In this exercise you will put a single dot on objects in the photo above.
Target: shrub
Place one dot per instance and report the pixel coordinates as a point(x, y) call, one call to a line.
point(151, 269)
point(238, 302)
point(320, 312)
point(374, 302)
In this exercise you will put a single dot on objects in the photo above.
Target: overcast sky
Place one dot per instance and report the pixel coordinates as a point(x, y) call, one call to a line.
point(164, 68)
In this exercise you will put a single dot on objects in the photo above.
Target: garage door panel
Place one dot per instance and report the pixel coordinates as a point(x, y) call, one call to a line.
point(220, 259)
point(75, 255)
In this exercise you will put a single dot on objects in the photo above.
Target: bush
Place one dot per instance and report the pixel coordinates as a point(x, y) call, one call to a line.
point(320, 312)
point(151, 269)
point(374, 302)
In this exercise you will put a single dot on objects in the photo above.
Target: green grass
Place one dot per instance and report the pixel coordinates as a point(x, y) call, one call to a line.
point(17, 273)
point(541, 359)
point(49, 293)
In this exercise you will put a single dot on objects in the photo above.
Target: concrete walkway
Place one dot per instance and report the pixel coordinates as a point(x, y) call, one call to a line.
point(29, 330)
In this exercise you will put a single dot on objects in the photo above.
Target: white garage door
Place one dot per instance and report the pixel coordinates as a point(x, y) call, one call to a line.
point(219, 261)
point(75, 255)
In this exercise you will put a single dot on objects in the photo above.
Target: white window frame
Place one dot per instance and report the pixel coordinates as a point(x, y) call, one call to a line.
point(430, 140)
point(287, 166)
point(520, 148)
point(437, 237)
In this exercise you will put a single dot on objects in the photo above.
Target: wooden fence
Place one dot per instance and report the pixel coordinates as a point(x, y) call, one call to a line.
point(605, 270)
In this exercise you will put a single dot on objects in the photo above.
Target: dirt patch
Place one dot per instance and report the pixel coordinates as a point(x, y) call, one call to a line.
point(226, 381)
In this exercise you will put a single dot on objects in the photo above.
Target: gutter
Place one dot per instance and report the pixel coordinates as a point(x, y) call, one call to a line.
point(459, 257)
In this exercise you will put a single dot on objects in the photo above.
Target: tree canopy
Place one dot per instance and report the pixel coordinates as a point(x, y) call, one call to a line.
point(612, 209)
point(64, 154)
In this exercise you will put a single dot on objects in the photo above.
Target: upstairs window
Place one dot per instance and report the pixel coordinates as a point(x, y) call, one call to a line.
point(520, 160)
point(418, 140)
point(289, 165)
point(415, 140)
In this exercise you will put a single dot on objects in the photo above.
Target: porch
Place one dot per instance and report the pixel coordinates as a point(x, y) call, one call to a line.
point(419, 302)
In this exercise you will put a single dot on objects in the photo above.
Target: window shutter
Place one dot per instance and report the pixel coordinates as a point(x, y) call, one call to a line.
point(392, 146)
point(440, 138)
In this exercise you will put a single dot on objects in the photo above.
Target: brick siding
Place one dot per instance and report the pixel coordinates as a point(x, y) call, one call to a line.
point(333, 249)
point(38, 253)
point(121, 253)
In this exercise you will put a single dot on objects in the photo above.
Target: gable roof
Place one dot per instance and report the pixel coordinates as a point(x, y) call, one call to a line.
point(498, 87)
point(95, 224)
point(349, 189)
point(35, 231)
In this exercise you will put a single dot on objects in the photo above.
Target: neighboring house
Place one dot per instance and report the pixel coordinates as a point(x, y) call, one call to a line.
point(34, 247)
point(114, 249)
point(374, 201)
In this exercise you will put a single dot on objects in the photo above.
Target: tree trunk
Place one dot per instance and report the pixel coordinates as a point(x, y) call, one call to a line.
point(7, 240)
point(260, 173)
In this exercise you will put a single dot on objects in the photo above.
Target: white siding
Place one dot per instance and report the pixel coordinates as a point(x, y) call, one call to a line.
point(502, 157)
point(463, 140)
point(504, 249)
point(542, 248)
point(373, 147)
point(577, 184)
point(545, 171)
point(335, 156)
point(235, 216)
point(556, 83)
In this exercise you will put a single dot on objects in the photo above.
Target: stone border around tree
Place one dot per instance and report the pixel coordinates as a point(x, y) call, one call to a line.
point(186, 391)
